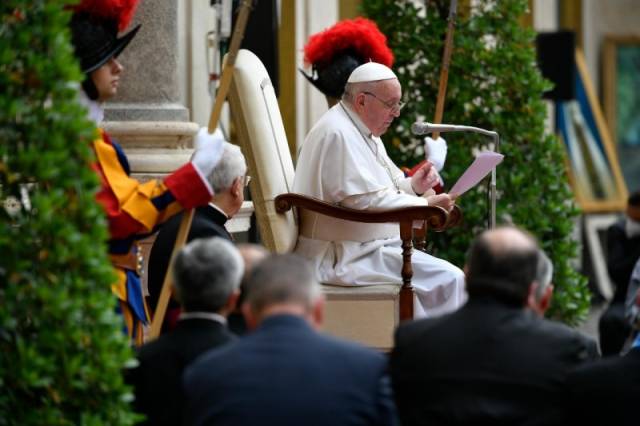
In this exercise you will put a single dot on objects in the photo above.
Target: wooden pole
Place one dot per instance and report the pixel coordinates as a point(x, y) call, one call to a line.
point(185, 224)
point(444, 73)
point(446, 60)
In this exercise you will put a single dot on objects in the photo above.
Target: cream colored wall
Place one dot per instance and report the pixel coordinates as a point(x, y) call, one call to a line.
point(601, 18)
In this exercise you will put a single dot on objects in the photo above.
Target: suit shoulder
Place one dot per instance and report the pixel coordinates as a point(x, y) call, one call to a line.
point(409, 331)
point(565, 335)
point(348, 349)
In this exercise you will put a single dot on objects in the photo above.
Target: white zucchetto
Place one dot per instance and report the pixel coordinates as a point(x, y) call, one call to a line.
point(371, 71)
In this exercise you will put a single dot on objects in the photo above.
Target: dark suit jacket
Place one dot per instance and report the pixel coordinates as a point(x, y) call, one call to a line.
point(285, 373)
point(207, 222)
point(487, 363)
point(157, 380)
point(622, 255)
point(606, 392)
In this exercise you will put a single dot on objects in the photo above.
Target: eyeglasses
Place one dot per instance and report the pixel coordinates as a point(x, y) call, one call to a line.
point(247, 179)
point(397, 107)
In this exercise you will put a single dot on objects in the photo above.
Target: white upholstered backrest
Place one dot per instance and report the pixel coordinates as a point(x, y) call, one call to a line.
point(261, 136)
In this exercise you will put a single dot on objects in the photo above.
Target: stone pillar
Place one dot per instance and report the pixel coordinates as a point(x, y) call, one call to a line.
point(150, 89)
point(147, 116)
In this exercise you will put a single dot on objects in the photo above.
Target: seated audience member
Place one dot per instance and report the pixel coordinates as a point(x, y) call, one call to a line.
point(285, 372)
point(632, 303)
point(252, 254)
point(494, 361)
point(623, 251)
point(606, 392)
point(228, 180)
point(207, 275)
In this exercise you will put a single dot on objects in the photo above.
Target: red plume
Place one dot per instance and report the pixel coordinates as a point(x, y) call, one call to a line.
point(120, 10)
point(359, 35)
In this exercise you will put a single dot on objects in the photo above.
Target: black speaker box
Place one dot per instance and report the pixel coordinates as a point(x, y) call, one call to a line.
point(261, 36)
point(556, 59)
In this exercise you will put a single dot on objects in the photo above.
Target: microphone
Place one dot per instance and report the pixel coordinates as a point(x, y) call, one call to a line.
point(419, 128)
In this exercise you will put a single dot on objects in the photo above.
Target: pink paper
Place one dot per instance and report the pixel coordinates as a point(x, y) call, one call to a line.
point(481, 166)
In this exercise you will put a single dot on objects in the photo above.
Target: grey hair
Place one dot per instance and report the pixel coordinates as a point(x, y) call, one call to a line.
point(206, 272)
point(352, 89)
point(282, 279)
point(231, 166)
point(544, 274)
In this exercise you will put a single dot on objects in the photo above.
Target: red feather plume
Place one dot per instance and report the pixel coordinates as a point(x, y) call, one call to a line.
point(360, 35)
point(120, 10)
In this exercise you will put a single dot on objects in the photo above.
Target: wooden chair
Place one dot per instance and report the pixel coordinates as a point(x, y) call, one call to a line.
point(368, 314)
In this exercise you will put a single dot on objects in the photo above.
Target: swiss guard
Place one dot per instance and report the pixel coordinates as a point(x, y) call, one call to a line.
point(134, 210)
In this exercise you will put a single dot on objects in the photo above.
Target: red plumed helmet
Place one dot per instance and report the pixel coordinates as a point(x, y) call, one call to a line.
point(94, 30)
point(119, 10)
point(335, 52)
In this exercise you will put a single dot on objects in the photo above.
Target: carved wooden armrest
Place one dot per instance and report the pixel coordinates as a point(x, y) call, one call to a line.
point(433, 216)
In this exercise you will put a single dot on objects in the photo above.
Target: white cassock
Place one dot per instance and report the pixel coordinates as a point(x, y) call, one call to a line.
point(342, 163)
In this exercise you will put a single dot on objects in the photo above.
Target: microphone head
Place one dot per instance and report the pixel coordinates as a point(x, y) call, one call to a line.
point(418, 128)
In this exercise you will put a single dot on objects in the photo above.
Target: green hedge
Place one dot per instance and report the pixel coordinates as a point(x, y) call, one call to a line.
point(61, 344)
point(494, 84)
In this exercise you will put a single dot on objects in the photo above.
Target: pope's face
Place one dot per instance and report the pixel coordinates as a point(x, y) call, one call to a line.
point(107, 78)
point(381, 105)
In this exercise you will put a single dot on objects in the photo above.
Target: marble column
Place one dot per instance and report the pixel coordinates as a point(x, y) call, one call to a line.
point(150, 89)
point(147, 116)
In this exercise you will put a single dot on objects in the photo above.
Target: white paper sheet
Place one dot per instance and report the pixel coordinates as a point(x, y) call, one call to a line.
point(481, 166)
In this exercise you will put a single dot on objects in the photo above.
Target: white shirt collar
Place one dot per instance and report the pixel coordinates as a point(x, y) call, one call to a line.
point(203, 315)
point(219, 209)
point(95, 111)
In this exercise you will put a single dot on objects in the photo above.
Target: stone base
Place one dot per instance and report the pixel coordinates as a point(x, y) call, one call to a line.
point(125, 111)
point(154, 148)
point(365, 314)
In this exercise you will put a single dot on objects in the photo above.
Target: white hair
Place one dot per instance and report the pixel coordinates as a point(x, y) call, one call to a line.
point(544, 273)
point(206, 271)
point(231, 166)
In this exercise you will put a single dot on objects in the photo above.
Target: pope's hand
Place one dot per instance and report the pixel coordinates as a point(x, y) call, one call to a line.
point(424, 178)
point(446, 201)
point(208, 150)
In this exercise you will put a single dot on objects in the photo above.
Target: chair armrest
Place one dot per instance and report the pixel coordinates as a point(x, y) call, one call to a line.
point(436, 217)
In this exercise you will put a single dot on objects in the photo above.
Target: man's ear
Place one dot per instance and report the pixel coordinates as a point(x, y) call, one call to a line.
point(231, 302)
point(249, 317)
point(532, 302)
point(237, 186)
point(545, 300)
point(317, 313)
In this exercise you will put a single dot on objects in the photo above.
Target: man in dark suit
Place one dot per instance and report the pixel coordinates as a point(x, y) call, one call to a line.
point(623, 251)
point(494, 361)
point(606, 392)
point(285, 372)
point(207, 275)
point(228, 180)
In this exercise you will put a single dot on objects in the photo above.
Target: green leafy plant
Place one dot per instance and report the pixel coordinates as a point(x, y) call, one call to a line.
point(62, 348)
point(494, 83)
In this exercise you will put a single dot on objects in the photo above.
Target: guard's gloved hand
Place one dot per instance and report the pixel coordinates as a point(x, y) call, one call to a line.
point(436, 151)
point(208, 150)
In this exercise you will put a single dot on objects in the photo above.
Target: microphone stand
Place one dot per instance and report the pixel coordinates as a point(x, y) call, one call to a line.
point(496, 141)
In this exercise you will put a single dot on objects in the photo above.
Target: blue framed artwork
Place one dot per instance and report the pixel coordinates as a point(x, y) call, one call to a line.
point(592, 161)
point(621, 84)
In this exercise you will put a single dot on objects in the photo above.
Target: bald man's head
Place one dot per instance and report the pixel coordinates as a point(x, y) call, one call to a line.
point(503, 263)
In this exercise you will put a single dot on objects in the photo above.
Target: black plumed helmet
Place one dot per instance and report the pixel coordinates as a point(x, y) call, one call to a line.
point(96, 40)
point(331, 79)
